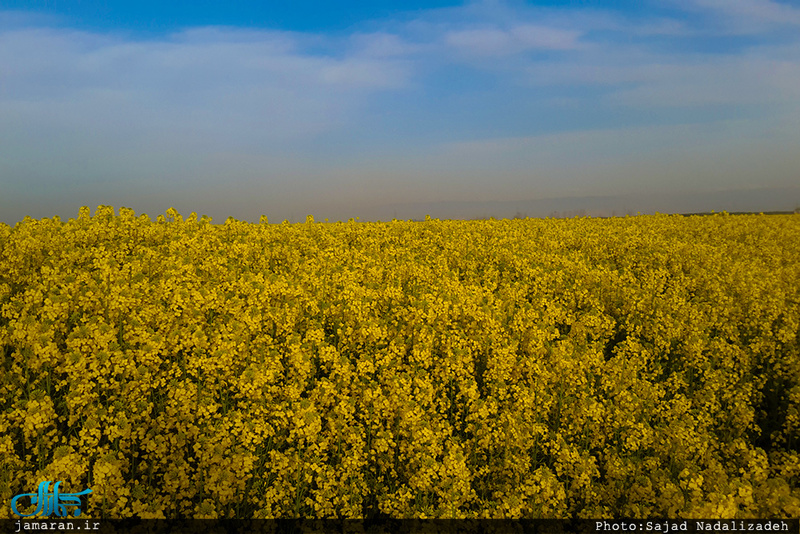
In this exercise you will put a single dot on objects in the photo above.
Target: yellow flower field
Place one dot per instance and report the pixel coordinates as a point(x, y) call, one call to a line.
point(586, 368)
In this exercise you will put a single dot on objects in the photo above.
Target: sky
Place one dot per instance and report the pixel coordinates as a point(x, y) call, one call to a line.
point(387, 110)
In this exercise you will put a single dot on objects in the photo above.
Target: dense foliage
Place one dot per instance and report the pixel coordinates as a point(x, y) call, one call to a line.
point(628, 367)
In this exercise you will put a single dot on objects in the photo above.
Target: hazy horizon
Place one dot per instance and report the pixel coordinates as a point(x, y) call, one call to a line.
point(398, 110)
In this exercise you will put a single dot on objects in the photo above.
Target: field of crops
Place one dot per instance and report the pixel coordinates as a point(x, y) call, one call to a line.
point(632, 367)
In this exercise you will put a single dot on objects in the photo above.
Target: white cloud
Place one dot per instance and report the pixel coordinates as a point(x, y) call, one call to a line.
point(542, 37)
point(763, 10)
point(213, 82)
point(731, 82)
point(658, 27)
point(365, 73)
point(747, 16)
point(591, 145)
point(495, 41)
point(656, 81)
point(382, 45)
point(484, 42)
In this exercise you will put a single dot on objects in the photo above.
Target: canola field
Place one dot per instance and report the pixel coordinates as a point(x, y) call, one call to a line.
point(630, 367)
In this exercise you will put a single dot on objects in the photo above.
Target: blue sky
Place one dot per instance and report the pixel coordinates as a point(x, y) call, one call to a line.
point(398, 109)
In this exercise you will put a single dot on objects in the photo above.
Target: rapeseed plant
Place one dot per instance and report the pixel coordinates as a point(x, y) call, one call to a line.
point(636, 367)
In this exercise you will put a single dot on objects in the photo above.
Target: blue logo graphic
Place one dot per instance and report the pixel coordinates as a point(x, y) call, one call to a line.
point(48, 503)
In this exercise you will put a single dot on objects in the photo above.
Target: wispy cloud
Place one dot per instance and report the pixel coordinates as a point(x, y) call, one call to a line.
point(495, 41)
point(761, 78)
point(229, 86)
point(382, 45)
point(742, 81)
point(746, 16)
point(766, 11)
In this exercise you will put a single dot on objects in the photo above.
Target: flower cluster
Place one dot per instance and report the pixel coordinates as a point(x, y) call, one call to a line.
point(626, 367)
